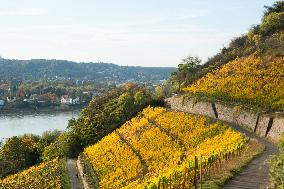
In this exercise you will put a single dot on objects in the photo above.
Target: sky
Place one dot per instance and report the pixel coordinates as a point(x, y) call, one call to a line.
point(125, 32)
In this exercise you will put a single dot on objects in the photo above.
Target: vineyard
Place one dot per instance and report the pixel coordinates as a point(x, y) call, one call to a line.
point(160, 148)
point(250, 80)
point(51, 174)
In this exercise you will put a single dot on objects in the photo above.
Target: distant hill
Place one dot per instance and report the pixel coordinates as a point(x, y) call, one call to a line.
point(37, 69)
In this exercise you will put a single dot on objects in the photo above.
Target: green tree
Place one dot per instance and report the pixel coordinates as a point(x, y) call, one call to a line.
point(140, 98)
point(278, 6)
point(21, 151)
point(65, 145)
point(159, 92)
point(189, 63)
point(47, 138)
point(272, 22)
point(187, 71)
point(102, 116)
point(125, 103)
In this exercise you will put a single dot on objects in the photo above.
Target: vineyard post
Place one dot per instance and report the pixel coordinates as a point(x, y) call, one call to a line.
point(179, 182)
point(189, 177)
point(181, 176)
point(237, 151)
point(170, 181)
point(208, 166)
point(159, 184)
point(220, 159)
point(175, 179)
point(184, 179)
point(163, 182)
point(201, 171)
point(205, 168)
point(188, 172)
point(214, 164)
point(195, 172)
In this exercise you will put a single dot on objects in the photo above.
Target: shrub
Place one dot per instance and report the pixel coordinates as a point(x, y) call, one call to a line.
point(277, 167)
point(52, 174)
point(272, 22)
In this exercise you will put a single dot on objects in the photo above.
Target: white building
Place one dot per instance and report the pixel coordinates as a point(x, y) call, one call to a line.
point(11, 99)
point(2, 102)
point(76, 100)
point(66, 100)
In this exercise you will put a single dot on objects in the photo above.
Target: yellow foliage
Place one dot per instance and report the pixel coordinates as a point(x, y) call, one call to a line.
point(165, 140)
point(45, 175)
point(245, 79)
point(114, 162)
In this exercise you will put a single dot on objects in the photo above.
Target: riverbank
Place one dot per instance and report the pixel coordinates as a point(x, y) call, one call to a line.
point(29, 110)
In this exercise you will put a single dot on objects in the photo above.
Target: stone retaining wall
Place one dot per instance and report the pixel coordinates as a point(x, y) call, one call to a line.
point(83, 174)
point(266, 125)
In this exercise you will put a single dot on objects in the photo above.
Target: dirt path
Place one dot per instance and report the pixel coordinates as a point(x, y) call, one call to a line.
point(73, 174)
point(256, 174)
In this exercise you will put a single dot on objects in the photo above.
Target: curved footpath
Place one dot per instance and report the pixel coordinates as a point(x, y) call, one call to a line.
point(73, 174)
point(256, 174)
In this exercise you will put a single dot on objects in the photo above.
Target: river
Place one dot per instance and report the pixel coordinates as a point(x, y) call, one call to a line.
point(14, 124)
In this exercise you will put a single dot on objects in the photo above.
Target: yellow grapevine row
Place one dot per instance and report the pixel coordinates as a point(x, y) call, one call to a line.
point(45, 175)
point(157, 149)
point(146, 148)
point(200, 137)
point(250, 79)
point(190, 129)
point(114, 162)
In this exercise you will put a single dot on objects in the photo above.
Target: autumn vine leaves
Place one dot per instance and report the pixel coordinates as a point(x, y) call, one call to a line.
point(157, 135)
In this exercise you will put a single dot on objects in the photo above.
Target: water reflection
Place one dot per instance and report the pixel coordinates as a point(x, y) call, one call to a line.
point(13, 124)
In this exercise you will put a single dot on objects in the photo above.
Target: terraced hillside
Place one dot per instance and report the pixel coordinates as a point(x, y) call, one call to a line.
point(249, 71)
point(251, 80)
point(159, 144)
point(52, 174)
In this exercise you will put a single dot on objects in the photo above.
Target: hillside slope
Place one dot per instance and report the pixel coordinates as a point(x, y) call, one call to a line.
point(38, 69)
point(159, 144)
point(251, 70)
point(252, 80)
point(263, 40)
point(52, 174)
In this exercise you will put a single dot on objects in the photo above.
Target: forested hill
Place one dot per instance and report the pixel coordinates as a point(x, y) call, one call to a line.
point(36, 69)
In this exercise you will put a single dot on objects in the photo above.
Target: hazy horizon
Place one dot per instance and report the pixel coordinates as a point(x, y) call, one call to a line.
point(141, 33)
